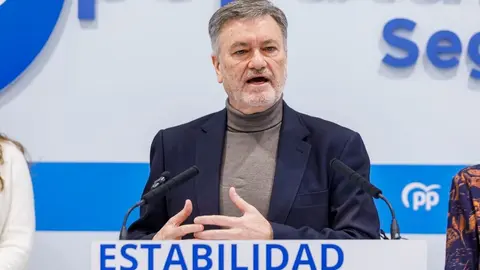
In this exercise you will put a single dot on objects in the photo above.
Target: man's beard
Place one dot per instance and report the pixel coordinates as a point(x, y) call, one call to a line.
point(259, 99)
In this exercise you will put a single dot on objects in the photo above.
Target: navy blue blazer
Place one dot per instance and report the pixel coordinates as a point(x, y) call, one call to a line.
point(308, 200)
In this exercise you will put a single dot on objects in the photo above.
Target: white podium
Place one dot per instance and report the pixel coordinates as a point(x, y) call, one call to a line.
point(257, 255)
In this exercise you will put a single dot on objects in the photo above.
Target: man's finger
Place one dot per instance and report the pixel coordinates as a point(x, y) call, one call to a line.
point(186, 229)
point(227, 234)
point(223, 221)
point(181, 216)
point(239, 202)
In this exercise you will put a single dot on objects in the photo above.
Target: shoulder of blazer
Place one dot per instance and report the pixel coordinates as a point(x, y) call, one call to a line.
point(193, 125)
point(319, 126)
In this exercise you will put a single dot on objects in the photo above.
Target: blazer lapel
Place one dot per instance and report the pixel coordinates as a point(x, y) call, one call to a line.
point(293, 152)
point(209, 150)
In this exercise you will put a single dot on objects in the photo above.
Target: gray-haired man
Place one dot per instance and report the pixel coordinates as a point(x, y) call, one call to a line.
point(264, 170)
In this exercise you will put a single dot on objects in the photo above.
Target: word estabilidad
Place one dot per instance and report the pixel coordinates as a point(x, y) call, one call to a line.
point(217, 256)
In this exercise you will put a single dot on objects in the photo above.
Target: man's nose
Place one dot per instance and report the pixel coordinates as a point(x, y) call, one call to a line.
point(258, 61)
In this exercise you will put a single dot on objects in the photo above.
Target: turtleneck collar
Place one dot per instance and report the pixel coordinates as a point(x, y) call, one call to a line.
point(240, 122)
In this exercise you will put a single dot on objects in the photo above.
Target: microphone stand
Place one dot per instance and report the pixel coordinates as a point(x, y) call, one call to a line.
point(373, 191)
point(123, 231)
point(394, 228)
point(159, 182)
point(159, 188)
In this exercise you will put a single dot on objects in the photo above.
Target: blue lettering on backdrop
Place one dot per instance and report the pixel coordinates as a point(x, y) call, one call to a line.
point(299, 261)
point(128, 257)
point(104, 257)
point(234, 259)
point(221, 256)
point(202, 257)
point(224, 2)
point(443, 48)
point(87, 10)
point(339, 252)
point(205, 256)
point(151, 253)
point(256, 259)
point(175, 249)
point(269, 256)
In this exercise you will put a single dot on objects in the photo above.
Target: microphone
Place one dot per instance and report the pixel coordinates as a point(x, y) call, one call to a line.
point(160, 181)
point(159, 188)
point(370, 189)
point(175, 181)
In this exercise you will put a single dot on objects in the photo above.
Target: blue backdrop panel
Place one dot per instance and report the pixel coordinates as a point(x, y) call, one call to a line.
point(95, 196)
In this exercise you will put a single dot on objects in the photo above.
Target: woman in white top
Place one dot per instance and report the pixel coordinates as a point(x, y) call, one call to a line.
point(17, 215)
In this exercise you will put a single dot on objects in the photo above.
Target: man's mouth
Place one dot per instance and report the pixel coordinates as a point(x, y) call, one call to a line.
point(258, 80)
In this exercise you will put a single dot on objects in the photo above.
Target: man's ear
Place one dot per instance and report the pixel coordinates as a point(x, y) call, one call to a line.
point(216, 65)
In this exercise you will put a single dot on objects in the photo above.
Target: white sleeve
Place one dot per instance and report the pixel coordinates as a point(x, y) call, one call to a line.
point(17, 237)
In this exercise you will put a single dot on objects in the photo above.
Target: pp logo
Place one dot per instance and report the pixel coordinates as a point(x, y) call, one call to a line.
point(422, 196)
point(25, 27)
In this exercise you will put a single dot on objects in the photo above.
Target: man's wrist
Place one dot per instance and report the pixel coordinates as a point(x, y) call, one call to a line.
point(270, 232)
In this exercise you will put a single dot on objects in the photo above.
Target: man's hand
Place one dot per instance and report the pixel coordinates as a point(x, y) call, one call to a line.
point(252, 225)
point(172, 230)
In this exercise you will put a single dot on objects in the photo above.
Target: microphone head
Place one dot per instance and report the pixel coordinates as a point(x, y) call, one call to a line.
point(352, 175)
point(163, 177)
point(166, 175)
point(171, 183)
point(195, 168)
point(183, 177)
point(339, 166)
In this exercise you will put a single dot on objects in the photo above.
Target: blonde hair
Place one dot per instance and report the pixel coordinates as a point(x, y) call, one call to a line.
point(4, 138)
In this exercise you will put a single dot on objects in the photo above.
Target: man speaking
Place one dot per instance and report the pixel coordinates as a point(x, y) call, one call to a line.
point(264, 167)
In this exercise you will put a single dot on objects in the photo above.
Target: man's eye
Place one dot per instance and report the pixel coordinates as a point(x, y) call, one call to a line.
point(270, 49)
point(240, 52)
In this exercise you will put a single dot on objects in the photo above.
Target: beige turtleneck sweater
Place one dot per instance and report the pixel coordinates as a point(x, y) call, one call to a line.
point(249, 157)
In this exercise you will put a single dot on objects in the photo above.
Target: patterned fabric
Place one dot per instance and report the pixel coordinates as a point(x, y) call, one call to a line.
point(462, 246)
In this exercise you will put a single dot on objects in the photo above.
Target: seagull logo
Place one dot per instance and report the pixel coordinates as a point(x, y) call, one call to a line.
point(25, 27)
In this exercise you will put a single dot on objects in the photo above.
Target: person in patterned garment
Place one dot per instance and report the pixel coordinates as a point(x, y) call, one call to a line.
point(462, 244)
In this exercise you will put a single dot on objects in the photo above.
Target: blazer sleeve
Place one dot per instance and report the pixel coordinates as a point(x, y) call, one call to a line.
point(17, 237)
point(154, 215)
point(353, 212)
point(461, 242)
